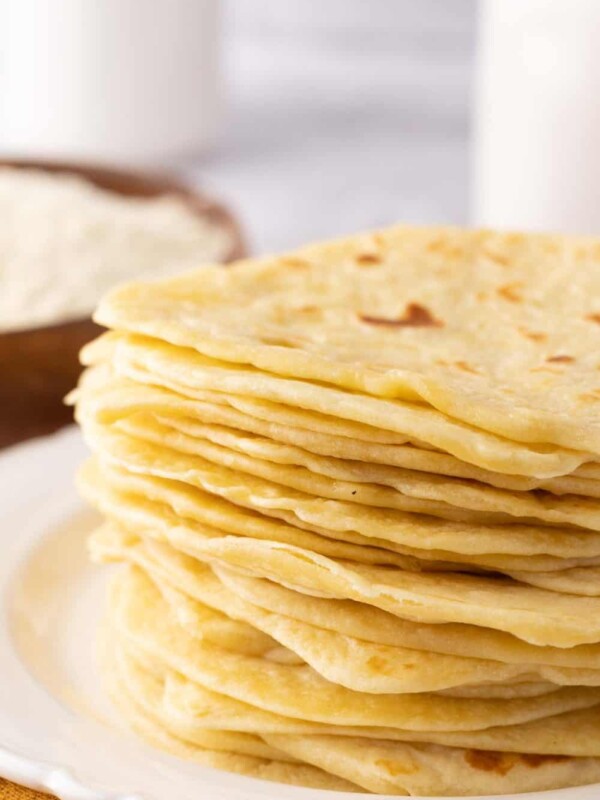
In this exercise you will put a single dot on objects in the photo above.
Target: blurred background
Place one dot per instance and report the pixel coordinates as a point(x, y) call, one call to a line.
point(141, 137)
point(344, 115)
point(312, 118)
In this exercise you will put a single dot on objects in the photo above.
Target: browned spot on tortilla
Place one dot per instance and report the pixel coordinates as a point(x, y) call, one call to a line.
point(377, 663)
point(446, 247)
point(498, 259)
point(276, 341)
point(482, 296)
point(416, 316)
point(368, 259)
point(295, 263)
point(534, 760)
point(436, 245)
point(594, 318)
point(466, 367)
point(490, 761)
point(560, 359)
point(501, 763)
point(510, 292)
point(396, 767)
point(535, 336)
point(591, 397)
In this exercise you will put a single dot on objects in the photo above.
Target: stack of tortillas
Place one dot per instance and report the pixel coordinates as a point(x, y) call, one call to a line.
point(357, 494)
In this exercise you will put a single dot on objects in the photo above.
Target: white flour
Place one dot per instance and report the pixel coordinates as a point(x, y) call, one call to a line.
point(64, 242)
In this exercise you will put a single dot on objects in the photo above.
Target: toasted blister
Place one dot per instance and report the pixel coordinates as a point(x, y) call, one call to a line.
point(488, 327)
point(154, 362)
point(409, 530)
point(109, 397)
point(142, 617)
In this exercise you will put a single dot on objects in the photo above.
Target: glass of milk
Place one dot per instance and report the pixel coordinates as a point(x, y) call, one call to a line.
point(120, 81)
point(537, 116)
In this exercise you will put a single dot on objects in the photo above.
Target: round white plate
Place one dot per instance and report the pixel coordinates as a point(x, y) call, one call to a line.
point(57, 731)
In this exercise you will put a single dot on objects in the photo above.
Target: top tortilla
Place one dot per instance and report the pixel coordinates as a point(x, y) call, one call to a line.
point(501, 330)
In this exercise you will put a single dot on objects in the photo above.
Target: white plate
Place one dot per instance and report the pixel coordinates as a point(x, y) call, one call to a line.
point(57, 731)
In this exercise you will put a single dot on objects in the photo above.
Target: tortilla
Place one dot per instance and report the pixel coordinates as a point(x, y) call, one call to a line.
point(487, 327)
point(109, 397)
point(359, 521)
point(141, 616)
point(384, 486)
point(192, 591)
point(406, 529)
point(153, 362)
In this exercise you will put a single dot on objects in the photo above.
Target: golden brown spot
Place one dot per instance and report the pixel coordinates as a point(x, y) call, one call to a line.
point(481, 296)
point(377, 663)
point(490, 761)
point(514, 239)
point(511, 292)
point(396, 767)
point(560, 359)
point(535, 336)
point(498, 259)
point(436, 246)
point(416, 315)
point(445, 247)
point(368, 259)
point(276, 341)
point(534, 760)
point(466, 367)
point(591, 397)
point(594, 318)
point(295, 263)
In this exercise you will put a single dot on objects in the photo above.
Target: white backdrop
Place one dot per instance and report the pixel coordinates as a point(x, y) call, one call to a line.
point(342, 115)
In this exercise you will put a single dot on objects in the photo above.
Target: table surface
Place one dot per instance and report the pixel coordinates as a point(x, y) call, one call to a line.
point(10, 791)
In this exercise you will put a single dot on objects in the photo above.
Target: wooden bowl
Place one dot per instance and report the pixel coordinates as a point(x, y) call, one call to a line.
point(40, 365)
